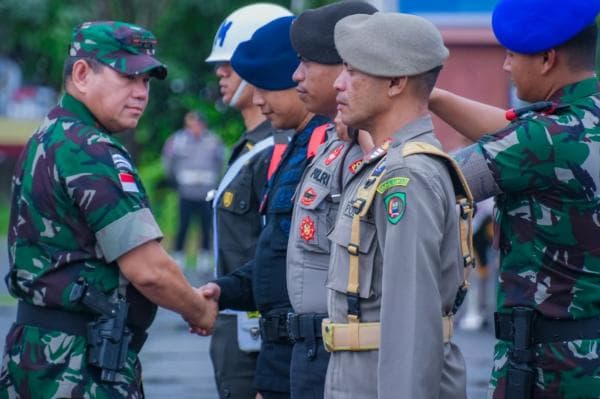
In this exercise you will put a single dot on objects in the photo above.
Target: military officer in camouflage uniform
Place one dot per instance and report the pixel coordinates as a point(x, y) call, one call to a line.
point(395, 264)
point(82, 236)
point(318, 195)
point(544, 168)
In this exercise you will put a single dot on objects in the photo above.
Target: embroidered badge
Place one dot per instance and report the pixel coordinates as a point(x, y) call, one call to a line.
point(395, 205)
point(227, 199)
point(334, 154)
point(379, 170)
point(121, 163)
point(307, 229)
point(354, 166)
point(309, 196)
point(128, 182)
point(393, 182)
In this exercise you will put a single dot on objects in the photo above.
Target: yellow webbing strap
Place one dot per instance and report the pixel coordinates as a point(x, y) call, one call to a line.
point(361, 204)
point(464, 199)
point(340, 336)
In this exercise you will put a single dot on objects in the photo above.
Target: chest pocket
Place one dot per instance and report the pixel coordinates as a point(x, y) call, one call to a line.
point(339, 268)
point(316, 216)
point(238, 195)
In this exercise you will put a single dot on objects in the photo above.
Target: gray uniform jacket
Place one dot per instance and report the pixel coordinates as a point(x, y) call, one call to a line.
point(193, 163)
point(410, 271)
point(315, 207)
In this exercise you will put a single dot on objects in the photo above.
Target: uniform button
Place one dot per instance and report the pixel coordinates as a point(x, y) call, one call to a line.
point(242, 205)
point(310, 353)
point(226, 393)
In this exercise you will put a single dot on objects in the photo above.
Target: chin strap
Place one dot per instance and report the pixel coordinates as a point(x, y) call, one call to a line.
point(238, 93)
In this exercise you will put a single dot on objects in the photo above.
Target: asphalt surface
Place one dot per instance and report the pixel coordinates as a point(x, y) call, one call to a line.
point(176, 364)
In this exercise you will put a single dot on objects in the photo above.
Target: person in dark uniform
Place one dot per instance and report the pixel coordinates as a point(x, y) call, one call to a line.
point(237, 222)
point(317, 199)
point(267, 61)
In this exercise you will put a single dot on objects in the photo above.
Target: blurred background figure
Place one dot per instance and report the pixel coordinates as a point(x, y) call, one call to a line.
point(193, 161)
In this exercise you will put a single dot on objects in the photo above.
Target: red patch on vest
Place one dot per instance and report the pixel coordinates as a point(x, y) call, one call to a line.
point(355, 165)
point(309, 196)
point(307, 229)
point(334, 154)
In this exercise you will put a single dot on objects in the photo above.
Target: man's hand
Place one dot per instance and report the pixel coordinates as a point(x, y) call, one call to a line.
point(202, 322)
point(210, 291)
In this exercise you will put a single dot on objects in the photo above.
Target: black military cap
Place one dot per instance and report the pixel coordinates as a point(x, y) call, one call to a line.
point(312, 32)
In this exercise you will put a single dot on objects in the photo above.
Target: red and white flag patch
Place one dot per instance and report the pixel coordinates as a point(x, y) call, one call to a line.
point(128, 182)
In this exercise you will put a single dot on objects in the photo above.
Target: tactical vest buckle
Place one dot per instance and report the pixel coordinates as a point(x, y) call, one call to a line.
point(353, 300)
point(358, 205)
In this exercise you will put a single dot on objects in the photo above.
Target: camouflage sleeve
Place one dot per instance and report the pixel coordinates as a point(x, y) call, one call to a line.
point(100, 179)
point(475, 169)
point(521, 157)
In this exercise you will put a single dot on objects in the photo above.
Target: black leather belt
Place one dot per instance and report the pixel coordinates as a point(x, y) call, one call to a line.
point(273, 328)
point(72, 323)
point(305, 325)
point(546, 330)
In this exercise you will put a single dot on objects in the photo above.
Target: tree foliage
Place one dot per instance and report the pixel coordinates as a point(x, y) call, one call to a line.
point(36, 33)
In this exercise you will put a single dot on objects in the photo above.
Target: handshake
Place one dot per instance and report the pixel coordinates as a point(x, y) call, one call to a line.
point(202, 322)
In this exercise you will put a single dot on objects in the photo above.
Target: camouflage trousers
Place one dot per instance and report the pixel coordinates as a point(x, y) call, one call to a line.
point(564, 370)
point(41, 363)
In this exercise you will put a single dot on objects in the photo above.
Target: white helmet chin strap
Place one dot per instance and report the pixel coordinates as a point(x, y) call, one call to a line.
point(238, 93)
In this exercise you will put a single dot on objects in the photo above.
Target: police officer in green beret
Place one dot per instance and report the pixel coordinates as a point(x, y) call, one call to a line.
point(544, 169)
point(85, 259)
point(396, 264)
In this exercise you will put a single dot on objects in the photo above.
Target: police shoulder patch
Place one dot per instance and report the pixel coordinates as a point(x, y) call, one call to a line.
point(395, 205)
point(399, 181)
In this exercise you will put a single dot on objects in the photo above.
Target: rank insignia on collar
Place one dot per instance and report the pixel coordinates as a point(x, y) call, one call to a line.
point(354, 166)
point(334, 154)
point(377, 152)
point(395, 205)
point(309, 196)
point(307, 229)
point(227, 199)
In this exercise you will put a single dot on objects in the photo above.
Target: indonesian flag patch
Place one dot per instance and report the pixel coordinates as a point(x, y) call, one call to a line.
point(128, 183)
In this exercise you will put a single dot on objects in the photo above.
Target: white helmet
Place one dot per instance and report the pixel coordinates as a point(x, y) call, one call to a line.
point(240, 25)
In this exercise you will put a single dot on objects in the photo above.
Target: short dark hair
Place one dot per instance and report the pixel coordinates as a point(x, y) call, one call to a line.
point(70, 61)
point(425, 82)
point(581, 49)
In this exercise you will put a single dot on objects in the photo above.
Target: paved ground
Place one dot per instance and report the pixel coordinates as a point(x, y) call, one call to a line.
point(176, 363)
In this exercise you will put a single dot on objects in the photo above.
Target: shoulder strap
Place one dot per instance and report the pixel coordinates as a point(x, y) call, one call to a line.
point(361, 204)
point(464, 199)
point(278, 150)
point(231, 173)
point(318, 137)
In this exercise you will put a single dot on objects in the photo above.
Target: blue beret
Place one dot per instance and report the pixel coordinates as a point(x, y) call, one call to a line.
point(268, 59)
point(531, 26)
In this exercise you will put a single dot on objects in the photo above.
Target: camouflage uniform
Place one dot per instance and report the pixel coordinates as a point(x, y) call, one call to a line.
point(548, 171)
point(77, 205)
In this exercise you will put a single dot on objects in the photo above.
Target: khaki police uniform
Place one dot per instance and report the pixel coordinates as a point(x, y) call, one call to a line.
point(409, 271)
point(315, 207)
